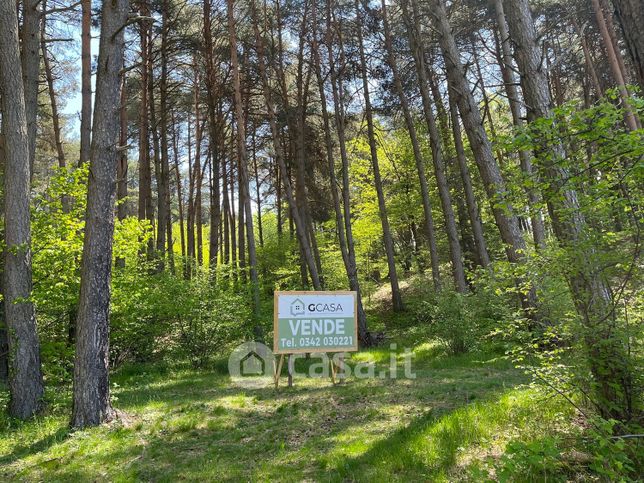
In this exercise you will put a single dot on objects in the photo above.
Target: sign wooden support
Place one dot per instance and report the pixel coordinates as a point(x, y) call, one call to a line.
point(278, 371)
point(277, 368)
point(306, 322)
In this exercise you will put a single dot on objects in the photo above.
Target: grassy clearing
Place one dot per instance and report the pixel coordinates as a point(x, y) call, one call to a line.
point(450, 421)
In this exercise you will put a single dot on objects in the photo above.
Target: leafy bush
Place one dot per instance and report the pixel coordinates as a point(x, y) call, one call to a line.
point(461, 321)
point(611, 458)
point(537, 460)
point(151, 313)
point(209, 320)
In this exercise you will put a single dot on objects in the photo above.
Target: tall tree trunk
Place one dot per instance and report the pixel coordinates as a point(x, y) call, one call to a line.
point(489, 169)
point(225, 218)
point(86, 75)
point(610, 25)
point(241, 238)
point(30, 36)
point(258, 196)
point(215, 203)
point(194, 167)
point(121, 168)
point(190, 225)
point(198, 210)
point(154, 127)
point(55, 118)
point(510, 84)
point(299, 126)
point(591, 294)
point(278, 199)
point(25, 377)
point(349, 262)
point(298, 203)
point(164, 185)
point(243, 160)
point(212, 259)
point(336, 87)
point(177, 172)
point(384, 219)
point(630, 14)
point(456, 255)
point(232, 217)
point(215, 120)
point(590, 63)
point(4, 342)
point(91, 396)
point(614, 63)
point(279, 156)
point(470, 197)
point(146, 209)
point(493, 181)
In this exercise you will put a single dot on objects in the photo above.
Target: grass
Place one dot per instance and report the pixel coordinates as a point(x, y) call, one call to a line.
point(450, 421)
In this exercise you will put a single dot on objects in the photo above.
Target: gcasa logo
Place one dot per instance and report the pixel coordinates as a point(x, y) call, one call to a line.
point(325, 308)
point(300, 308)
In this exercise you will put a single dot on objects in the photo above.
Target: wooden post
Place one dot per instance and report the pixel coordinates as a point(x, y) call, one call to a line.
point(291, 369)
point(278, 371)
point(342, 375)
point(332, 370)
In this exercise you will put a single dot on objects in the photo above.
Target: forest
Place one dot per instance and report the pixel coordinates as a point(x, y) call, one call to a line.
point(472, 170)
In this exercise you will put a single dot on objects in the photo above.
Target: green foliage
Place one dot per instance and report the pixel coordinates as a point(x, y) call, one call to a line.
point(208, 321)
point(462, 321)
point(58, 220)
point(611, 455)
point(432, 428)
point(152, 314)
point(537, 460)
point(583, 348)
point(278, 259)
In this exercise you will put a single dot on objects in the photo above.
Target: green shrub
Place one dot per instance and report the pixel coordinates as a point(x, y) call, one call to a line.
point(461, 321)
point(209, 320)
point(538, 460)
point(611, 455)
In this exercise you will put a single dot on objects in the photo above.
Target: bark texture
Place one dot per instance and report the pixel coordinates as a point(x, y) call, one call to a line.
point(25, 377)
point(243, 159)
point(30, 36)
point(418, 51)
point(396, 297)
point(493, 181)
point(525, 160)
point(91, 397)
point(300, 227)
point(347, 256)
point(86, 81)
point(616, 64)
point(145, 208)
point(630, 14)
point(606, 352)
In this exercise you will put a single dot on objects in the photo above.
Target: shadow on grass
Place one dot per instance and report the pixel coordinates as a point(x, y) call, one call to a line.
point(206, 429)
point(37, 446)
point(430, 445)
point(289, 441)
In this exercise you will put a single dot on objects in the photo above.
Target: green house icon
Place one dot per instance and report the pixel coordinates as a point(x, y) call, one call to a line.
point(297, 308)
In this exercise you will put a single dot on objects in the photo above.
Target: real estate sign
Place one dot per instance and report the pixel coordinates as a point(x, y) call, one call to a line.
point(315, 322)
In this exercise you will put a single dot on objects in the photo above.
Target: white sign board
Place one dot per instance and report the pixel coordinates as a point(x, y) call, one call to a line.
point(315, 322)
